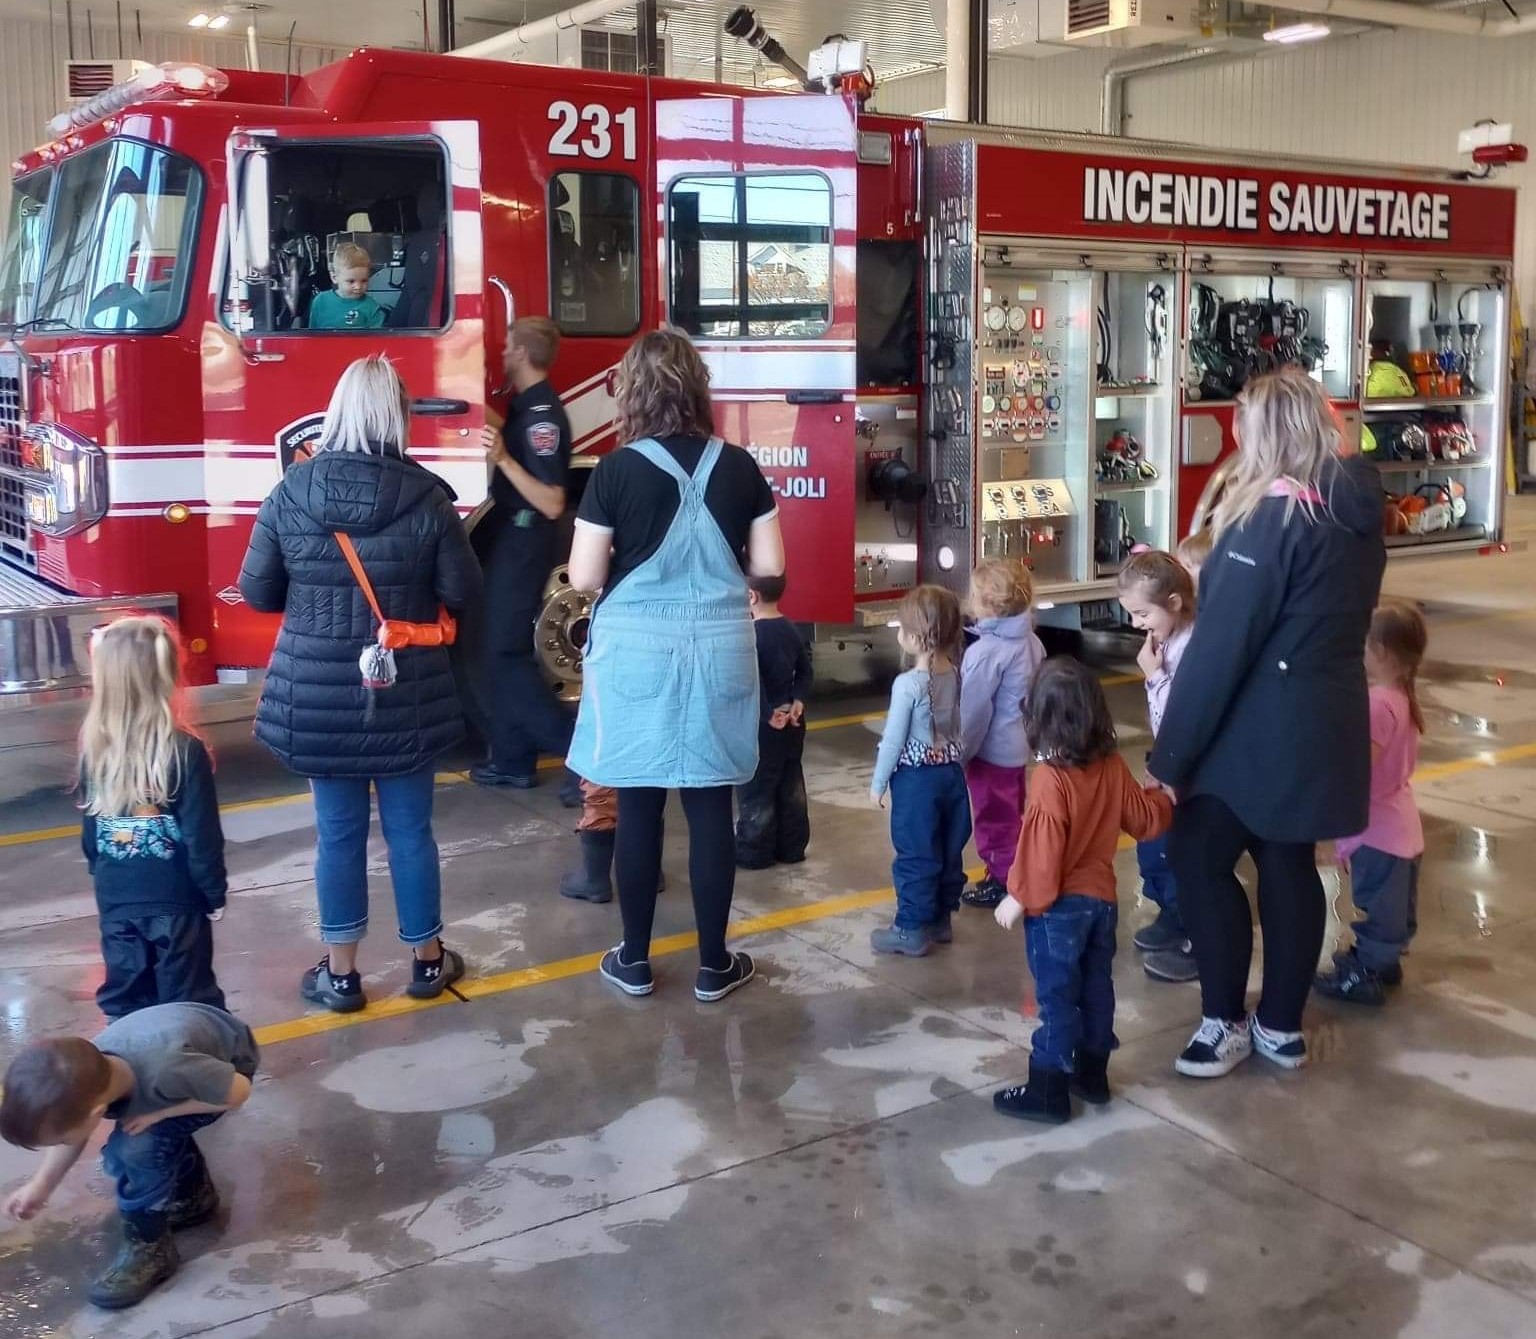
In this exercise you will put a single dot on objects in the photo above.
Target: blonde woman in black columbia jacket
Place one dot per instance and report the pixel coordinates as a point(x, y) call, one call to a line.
point(315, 715)
point(1266, 739)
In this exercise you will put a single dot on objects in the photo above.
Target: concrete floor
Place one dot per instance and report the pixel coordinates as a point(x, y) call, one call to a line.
point(818, 1156)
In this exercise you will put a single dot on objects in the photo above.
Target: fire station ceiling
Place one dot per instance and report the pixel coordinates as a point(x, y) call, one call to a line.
point(902, 34)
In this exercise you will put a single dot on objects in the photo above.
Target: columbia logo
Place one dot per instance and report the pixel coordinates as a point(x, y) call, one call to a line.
point(1243, 558)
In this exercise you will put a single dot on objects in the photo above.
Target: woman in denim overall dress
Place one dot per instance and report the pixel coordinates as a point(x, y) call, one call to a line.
point(670, 692)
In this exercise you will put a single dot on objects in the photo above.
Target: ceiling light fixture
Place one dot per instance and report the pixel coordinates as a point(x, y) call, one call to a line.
point(1297, 32)
point(198, 21)
point(222, 21)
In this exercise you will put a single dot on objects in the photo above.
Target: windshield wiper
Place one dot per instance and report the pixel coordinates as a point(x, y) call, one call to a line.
point(41, 323)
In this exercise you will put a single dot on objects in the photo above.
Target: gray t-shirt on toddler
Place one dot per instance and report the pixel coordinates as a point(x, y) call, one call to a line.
point(178, 1053)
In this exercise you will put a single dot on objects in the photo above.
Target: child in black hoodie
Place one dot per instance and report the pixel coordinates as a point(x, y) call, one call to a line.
point(151, 831)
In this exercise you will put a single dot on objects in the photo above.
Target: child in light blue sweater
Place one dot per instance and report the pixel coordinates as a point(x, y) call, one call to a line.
point(919, 764)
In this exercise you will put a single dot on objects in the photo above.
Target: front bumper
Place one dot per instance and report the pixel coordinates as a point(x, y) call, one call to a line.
point(45, 636)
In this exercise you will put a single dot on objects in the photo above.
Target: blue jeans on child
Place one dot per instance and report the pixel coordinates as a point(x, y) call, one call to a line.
point(1385, 888)
point(148, 1168)
point(1071, 951)
point(1158, 885)
point(930, 825)
point(341, 855)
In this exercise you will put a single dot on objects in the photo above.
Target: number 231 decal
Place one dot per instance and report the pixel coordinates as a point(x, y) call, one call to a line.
point(591, 131)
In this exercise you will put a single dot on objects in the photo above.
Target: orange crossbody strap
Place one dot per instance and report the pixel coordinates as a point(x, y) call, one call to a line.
point(344, 543)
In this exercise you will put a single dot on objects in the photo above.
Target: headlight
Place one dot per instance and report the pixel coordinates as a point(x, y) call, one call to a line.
point(69, 491)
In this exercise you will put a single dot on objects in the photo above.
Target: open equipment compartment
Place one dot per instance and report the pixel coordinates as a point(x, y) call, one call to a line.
point(1436, 397)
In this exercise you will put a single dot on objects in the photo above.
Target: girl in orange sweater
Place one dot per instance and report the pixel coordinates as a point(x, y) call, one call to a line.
point(1081, 797)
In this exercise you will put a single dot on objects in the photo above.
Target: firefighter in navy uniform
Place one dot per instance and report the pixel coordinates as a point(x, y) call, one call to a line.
point(530, 457)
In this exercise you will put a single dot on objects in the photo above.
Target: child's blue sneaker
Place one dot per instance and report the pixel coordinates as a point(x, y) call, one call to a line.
point(893, 939)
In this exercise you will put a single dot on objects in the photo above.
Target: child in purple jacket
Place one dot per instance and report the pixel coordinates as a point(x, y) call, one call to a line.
point(995, 679)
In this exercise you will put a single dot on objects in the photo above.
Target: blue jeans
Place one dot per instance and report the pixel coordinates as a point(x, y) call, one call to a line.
point(148, 1168)
point(930, 825)
point(1385, 888)
point(1071, 951)
point(341, 855)
point(1158, 885)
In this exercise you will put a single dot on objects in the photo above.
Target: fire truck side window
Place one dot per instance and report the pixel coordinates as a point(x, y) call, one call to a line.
point(594, 237)
point(751, 255)
point(390, 199)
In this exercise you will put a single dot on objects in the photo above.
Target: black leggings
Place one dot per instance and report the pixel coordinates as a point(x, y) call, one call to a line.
point(1208, 838)
point(711, 866)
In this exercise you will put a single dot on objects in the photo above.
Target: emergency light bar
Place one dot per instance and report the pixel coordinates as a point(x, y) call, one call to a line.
point(173, 79)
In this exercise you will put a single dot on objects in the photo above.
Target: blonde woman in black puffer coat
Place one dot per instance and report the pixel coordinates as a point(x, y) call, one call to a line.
point(316, 715)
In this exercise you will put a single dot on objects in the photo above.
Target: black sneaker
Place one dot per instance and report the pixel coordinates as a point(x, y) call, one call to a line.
point(1286, 1049)
point(715, 983)
point(1391, 976)
point(987, 894)
point(1163, 935)
point(633, 978)
point(488, 774)
point(1217, 1048)
point(1352, 982)
point(1176, 964)
point(341, 994)
point(431, 978)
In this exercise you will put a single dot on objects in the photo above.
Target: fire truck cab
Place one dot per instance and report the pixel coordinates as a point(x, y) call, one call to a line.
point(159, 370)
point(942, 342)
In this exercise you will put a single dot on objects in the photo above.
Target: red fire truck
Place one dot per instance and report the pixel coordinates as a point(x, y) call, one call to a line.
point(941, 341)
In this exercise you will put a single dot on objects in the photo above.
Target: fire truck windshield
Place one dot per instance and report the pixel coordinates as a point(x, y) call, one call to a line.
point(103, 242)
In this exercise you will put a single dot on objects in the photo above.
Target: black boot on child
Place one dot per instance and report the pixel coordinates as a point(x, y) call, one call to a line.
point(593, 882)
point(143, 1262)
point(1090, 1078)
point(1047, 1098)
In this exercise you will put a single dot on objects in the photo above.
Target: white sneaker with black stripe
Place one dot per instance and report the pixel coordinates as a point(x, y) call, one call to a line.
point(1286, 1049)
point(1216, 1049)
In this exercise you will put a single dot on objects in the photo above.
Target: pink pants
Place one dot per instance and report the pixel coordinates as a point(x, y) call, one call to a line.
point(997, 813)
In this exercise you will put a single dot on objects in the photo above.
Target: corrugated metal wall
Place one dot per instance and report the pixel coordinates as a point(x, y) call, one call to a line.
point(32, 56)
point(1390, 97)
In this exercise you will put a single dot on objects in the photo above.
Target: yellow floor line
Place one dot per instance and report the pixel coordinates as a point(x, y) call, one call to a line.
point(521, 978)
point(502, 983)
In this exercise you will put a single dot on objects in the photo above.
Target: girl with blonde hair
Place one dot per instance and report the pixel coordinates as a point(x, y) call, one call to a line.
point(150, 829)
point(669, 529)
point(1266, 734)
point(355, 737)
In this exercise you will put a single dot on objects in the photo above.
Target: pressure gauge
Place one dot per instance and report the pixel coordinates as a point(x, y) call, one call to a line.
point(996, 318)
point(1018, 318)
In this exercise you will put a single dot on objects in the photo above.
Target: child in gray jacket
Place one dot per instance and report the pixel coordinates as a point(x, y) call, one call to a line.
point(995, 679)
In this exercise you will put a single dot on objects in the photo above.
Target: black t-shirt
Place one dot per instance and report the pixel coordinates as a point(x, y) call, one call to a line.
point(636, 502)
point(538, 437)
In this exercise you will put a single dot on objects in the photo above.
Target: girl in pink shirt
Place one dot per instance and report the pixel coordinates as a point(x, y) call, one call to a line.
point(1383, 861)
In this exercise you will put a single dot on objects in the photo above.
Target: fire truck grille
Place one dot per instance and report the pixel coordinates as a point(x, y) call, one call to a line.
point(15, 534)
